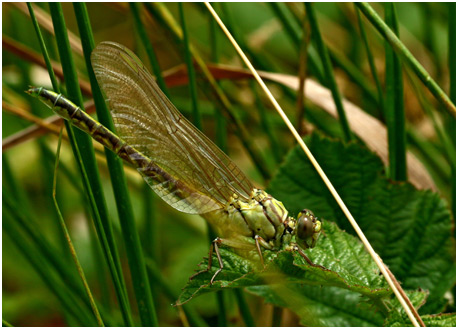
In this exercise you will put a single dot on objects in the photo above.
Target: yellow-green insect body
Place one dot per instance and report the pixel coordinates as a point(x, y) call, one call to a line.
point(185, 168)
point(265, 218)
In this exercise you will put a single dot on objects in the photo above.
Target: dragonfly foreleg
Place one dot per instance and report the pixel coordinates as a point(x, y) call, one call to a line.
point(261, 242)
point(302, 253)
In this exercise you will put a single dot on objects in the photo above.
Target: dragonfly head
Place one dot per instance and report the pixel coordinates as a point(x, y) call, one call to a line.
point(307, 229)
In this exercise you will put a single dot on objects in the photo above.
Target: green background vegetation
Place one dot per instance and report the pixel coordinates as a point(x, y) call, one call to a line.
point(335, 45)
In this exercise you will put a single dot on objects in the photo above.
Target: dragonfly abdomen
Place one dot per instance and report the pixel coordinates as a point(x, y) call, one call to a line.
point(80, 119)
point(164, 183)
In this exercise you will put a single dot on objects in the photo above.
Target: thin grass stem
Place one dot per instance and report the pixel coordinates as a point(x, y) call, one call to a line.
point(151, 232)
point(44, 51)
point(263, 114)
point(330, 78)
point(292, 27)
point(159, 11)
point(39, 264)
point(394, 106)
point(193, 317)
point(221, 129)
point(69, 239)
point(88, 165)
point(340, 61)
point(302, 74)
point(130, 235)
point(452, 50)
point(318, 168)
point(277, 313)
point(141, 31)
point(407, 56)
point(48, 252)
point(370, 59)
point(244, 309)
point(196, 116)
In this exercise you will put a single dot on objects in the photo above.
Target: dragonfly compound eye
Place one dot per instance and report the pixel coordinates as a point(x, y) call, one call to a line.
point(307, 230)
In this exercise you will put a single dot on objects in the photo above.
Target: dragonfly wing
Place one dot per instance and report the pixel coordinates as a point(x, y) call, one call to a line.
point(149, 122)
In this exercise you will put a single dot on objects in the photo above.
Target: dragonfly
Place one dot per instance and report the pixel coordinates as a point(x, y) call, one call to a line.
point(183, 166)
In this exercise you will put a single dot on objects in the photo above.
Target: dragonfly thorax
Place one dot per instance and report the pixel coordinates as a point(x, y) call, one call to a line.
point(264, 216)
point(260, 215)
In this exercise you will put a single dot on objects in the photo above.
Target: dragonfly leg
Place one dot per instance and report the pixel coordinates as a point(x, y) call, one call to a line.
point(260, 241)
point(213, 248)
point(216, 242)
point(302, 253)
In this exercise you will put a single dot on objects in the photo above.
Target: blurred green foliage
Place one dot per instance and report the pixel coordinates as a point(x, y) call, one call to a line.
point(27, 167)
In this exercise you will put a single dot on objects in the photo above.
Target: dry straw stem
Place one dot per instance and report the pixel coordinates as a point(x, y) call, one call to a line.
point(44, 19)
point(31, 56)
point(369, 129)
point(320, 171)
point(49, 126)
point(40, 128)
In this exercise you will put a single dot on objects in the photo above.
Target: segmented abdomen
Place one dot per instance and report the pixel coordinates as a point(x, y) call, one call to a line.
point(161, 181)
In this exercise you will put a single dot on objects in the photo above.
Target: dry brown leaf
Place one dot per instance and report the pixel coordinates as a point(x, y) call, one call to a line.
point(366, 127)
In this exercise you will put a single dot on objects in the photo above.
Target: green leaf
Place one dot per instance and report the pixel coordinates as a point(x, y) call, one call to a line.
point(440, 320)
point(322, 306)
point(418, 298)
point(410, 229)
point(343, 262)
point(397, 316)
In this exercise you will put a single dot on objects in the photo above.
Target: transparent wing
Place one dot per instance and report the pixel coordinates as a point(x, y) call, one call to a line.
point(149, 122)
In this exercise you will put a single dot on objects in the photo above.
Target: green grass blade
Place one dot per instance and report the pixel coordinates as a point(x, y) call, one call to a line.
point(49, 253)
point(302, 75)
point(160, 12)
point(44, 149)
point(452, 50)
point(331, 81)
point(12, 185)
point(62, 37)
point(446, 144)
point(265, 124)
point(44, 50)
point(221, 129)
point(135, 9)
point(315, 66)
point(370, 59)
point(277, 316)
point(431, 157)
point(354, 74)
point(406, 55)
point(150, 233)
point(6, 323)
point(293, 31)
point(193, 317)
point(71, 305)
point(394, 110)
point(261, 64)
point(452, 88)
point(91, 179)
point(221, 141)
point(41, 245)
point(151, 236)
point(222, 309)
point(129, 232)
point(197, 118)
point(69, 240)
point(244, 308)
